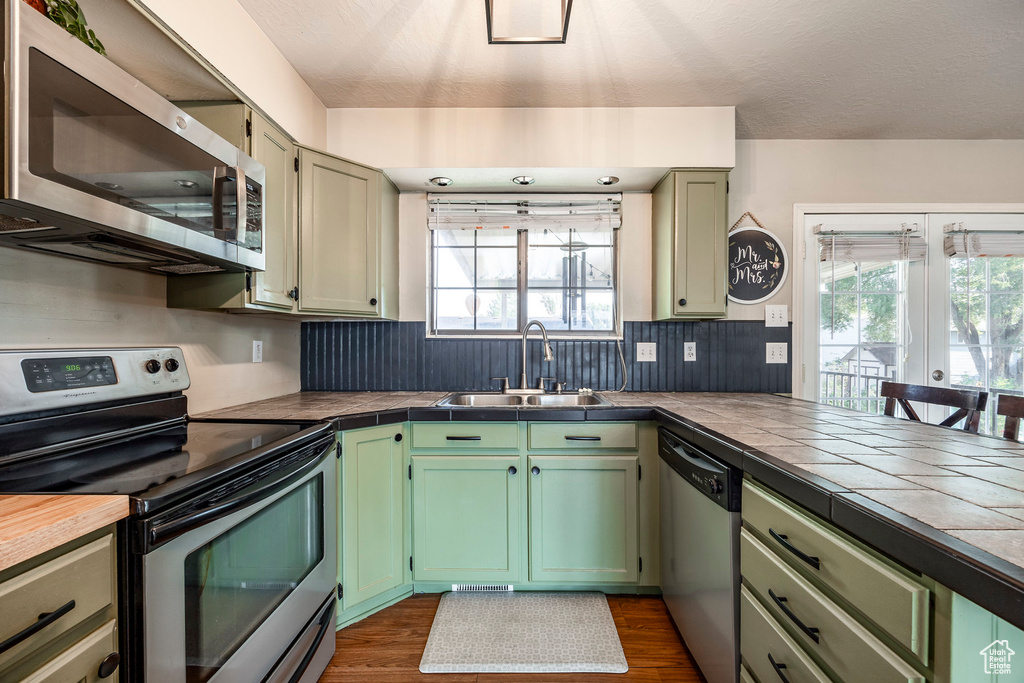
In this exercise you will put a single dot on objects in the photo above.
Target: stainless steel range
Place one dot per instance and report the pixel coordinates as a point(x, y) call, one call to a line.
point(230, 553)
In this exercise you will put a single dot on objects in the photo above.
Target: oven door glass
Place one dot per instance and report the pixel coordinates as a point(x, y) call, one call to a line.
point(234, 582)
point(82, 137)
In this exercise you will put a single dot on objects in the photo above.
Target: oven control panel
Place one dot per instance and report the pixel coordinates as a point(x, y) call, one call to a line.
point(32, 381)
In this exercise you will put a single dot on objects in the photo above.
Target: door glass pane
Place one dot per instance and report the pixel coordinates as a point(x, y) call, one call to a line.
point(234, 582)
point(863, 330)
point(986, 353)
point(85, 138)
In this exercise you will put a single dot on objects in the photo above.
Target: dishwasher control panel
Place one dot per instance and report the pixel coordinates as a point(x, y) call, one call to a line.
point(713, 478)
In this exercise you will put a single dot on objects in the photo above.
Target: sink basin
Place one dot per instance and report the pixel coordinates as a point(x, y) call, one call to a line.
point(493, 400)
point(487, 400)
point(566, 400)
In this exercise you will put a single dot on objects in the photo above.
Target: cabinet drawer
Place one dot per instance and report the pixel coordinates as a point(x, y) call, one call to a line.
point(456, 436)
point(767, 650)
point(582, 436)
point(79, 583)
point(890, 598)
point(745, 676)
point(81, 661)
point(843, 644)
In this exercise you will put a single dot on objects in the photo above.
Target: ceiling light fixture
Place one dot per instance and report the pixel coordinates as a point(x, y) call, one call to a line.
point(502, 16)
point(608, 180)
point(441, 181)
point(523, 180)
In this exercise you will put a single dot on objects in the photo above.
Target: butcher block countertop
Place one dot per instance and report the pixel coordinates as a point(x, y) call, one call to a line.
point(30, 524)
point(946, 503)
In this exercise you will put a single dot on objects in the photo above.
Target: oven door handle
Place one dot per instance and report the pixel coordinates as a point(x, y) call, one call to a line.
point(162, 532)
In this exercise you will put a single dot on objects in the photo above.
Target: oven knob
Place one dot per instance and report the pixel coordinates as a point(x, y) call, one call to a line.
point(171, 365)
point(152, 366)
point(714, 486)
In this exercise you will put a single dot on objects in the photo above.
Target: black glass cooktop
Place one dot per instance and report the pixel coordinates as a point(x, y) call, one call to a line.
point(137, 464)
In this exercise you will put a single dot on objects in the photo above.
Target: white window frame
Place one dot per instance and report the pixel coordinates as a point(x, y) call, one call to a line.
point(522, 289)
point(805, 285)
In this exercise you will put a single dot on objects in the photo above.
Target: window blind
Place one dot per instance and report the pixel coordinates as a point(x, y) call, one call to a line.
point(588, 213)
point(872, 248)
point(960, 243)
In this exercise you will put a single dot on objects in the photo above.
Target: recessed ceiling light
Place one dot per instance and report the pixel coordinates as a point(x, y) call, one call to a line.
point(523, 180)
point(109, 186)
point(607, 180)
point(187, 184)
point(441, 181)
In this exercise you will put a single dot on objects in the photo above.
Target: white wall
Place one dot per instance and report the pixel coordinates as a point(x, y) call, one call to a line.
point(773, 175)
point(228, 38)
point(530, 138)
point(52, 302)
point(770, 177)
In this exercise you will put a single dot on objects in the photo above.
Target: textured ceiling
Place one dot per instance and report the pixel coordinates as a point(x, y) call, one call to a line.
point(793, 68)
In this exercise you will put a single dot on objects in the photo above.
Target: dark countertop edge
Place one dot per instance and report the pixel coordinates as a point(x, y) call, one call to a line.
point(991, 582)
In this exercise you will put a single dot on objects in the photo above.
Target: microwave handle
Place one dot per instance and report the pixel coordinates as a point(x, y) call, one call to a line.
point(221, 174)
point(242, 204)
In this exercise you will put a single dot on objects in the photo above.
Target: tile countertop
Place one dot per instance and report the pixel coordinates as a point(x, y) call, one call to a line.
point(937, 499)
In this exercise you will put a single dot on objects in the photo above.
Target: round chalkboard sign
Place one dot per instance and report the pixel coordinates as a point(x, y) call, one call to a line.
point(758, 265)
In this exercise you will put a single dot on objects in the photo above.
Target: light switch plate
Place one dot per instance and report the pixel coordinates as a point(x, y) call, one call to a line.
point(776, 352)
point(776, 316)
point(689, 351)
point(257, 351)
point(646, 352)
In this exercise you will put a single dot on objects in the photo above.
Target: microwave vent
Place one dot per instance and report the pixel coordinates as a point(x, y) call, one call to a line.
point(10, 224)
point(189, 269)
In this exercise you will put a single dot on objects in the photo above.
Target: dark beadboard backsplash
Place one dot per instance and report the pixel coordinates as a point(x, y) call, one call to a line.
point(397, 356)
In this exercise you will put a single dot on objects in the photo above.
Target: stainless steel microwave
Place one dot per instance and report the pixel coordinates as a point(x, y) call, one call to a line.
point(98, 166)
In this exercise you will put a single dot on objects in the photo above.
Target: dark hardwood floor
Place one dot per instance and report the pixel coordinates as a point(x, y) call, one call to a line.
point(386, 647)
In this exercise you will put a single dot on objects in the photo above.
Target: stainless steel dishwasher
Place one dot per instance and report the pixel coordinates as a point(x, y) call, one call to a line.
point(700, 526)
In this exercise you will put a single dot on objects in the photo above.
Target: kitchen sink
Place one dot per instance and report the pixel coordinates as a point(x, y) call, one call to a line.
point(566, 400)
point(494, 400)
point(487, 400)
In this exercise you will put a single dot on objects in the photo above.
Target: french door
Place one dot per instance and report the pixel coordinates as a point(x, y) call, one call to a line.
point(933, 298)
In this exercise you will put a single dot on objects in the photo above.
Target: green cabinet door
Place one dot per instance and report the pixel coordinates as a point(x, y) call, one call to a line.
point(372, 513)
point(339, 237)
point(466, 518)
point(689, 236)
point(583, 519)
point(274, 150)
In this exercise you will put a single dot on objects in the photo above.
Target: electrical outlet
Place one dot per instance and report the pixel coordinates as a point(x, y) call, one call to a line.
point(646, 352)
point(689, 351)
point(776, 316)
point(776, 352)
point(257, 351)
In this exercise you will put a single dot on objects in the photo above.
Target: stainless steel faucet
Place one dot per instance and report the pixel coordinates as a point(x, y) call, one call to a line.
point(548, 356)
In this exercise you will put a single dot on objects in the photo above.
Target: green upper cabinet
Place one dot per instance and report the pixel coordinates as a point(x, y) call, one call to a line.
point(259, 291)
point(583, 519)
point(347, 238)
point(466, 518)
point(373, 512)
point(689, 236)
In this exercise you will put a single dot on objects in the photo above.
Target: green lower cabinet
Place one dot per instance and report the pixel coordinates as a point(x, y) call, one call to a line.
point(373, 512)
point(466, 518)
point(583, 519)
point(984, 648)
